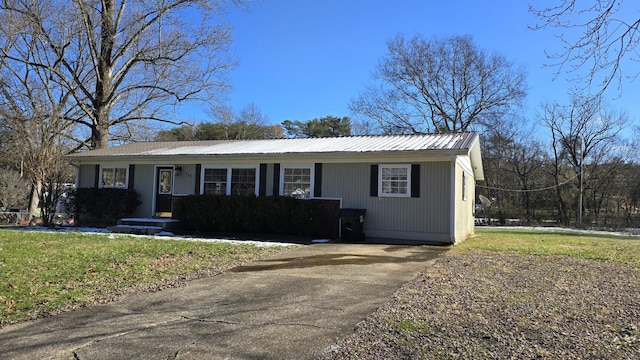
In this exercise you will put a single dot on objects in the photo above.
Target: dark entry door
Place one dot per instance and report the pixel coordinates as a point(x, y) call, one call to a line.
point(164, 190)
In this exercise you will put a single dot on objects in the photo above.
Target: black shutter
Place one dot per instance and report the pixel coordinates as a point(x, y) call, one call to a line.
point(415, 180)
point(262, 186)
point(373, 181)
point(317, 181)
point(132, 171)
point(96, 180)
point(276, 179)
point(198, 175)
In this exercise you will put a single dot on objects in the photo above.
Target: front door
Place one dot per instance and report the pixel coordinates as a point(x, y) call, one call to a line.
point(164, 190)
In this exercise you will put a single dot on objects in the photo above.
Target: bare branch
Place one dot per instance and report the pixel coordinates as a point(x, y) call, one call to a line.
point(122, 57)
point(608, 33)
point(440, 85)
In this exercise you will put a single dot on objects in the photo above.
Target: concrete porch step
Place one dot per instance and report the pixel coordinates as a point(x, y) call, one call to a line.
point(164, 223)
point(136, 229)
point(145, 226)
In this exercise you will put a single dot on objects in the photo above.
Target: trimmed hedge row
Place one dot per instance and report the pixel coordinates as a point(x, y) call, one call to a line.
point(103, 206)
point(249, 214)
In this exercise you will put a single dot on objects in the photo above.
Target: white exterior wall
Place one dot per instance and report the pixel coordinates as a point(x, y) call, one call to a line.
point(143, 183)
point(185, 180)
point(464, 206)
point(429, 217)
point(86, 176)
point(424, 218)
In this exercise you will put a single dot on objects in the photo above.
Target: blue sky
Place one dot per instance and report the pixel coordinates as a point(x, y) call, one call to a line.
point(300, 60)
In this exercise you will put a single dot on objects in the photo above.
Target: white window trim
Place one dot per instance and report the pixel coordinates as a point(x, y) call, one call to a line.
point(394, 166)
point(229, 169)
point(118, 166)
point(312, 173)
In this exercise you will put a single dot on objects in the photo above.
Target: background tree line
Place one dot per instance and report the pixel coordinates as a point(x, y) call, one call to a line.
point(572, 164)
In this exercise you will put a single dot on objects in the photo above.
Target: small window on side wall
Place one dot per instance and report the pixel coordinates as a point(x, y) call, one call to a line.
point(464, 186)
point(394, 180)
point(114, 177)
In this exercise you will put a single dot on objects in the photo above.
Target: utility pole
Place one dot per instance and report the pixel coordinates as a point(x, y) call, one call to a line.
point(580, 166)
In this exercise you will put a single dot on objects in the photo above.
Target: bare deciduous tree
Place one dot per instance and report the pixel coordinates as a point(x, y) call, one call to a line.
point(122, 61)
point(580, 134)
point(608, 31)
point(446, 84)
point(36, 115)
point(14, 188)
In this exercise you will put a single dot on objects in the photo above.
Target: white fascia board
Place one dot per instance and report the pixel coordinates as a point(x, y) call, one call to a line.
point(465, 163)
point(475, 154)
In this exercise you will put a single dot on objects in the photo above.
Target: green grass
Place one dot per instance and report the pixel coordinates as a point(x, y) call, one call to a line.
point(41, 272)
point(600, 246)
point(411, 326)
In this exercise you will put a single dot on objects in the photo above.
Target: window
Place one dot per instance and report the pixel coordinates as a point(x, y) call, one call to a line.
point(114, 177)
point(394, 180)
point(243, 181)
point(296, 182)
point(215, 181)
point(166, 181)
point(230, 181)
point(464, 186)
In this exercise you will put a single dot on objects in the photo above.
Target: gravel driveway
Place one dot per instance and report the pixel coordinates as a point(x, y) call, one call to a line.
point(485, 305)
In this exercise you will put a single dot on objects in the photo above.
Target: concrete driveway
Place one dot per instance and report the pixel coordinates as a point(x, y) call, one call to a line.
point(290, 306)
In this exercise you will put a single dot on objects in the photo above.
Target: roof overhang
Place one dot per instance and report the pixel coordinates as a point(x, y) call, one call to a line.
point(476, 160)
point(333, 157)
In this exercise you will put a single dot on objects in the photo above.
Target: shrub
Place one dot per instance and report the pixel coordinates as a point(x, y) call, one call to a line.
point(249, 214)
point(103, 207)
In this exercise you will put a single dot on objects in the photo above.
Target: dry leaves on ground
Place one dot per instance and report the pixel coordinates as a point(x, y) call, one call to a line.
point(493, 305)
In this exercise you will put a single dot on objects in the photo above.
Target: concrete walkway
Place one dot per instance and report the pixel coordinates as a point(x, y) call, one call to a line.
point(291, 306)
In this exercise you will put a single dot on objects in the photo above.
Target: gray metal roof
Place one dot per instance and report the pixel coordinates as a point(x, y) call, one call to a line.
point(449, 142)
point(363, 147)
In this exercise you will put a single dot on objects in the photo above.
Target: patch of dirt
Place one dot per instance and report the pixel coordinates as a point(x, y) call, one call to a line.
point(493, 305)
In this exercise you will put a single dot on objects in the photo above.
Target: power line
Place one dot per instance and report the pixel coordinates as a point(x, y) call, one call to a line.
point(529, 190)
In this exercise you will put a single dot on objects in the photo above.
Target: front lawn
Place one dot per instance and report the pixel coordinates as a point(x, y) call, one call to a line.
point(587, 245)
point(45, 272)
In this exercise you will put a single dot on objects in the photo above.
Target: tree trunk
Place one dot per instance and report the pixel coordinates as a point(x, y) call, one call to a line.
point(34, 203)
point(104, 83)
point(100, 131)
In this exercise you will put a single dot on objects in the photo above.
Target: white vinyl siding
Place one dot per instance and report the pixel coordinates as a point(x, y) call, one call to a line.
point(426, 217)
